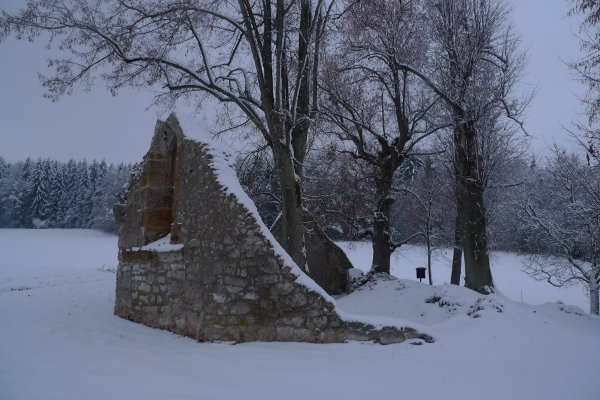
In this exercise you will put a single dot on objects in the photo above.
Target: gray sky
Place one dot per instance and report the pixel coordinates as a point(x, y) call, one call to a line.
point(96, 125)
point(550, 39)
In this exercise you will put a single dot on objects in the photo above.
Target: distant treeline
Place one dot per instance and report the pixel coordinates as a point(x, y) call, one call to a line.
point(52, 194)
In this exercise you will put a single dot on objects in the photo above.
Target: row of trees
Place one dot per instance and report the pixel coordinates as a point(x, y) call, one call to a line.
point(546, 209)
point(423, 67)
point(384, 75)
point(50, 194)
point(551, 213)
point(375, 80)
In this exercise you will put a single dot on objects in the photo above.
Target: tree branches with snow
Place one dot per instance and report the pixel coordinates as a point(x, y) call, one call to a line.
point(563, 224)
point(261, 57)
point(380, 115)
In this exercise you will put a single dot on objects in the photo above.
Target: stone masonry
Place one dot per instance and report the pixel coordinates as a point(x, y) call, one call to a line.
point(195, 258)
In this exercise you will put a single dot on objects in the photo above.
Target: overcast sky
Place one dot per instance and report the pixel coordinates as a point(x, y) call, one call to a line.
point(96, 125)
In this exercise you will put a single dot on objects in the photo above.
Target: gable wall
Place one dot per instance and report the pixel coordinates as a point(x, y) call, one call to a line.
point(220, 278)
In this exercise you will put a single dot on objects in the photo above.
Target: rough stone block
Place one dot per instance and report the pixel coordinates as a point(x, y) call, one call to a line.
point(119, 212)
point(175, 230)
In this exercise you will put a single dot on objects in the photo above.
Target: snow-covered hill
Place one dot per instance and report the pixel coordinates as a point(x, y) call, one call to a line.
point(60, 340)
point(507, 269)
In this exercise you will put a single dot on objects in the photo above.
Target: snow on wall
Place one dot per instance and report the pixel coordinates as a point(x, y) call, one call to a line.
point(222, 163)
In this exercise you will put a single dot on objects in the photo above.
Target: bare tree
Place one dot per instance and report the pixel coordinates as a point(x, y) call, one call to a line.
point(427, 207)
point(588, 71)
point(502, 152)
point(475, 65)
point(261, 57)
point(379, 112)
point(257, 174)
point(338, 191)
point(561, 211)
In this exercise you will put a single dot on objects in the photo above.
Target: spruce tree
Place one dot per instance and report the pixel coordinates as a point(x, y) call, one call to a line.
point(83, 196)
point(54, 194)
point(5, 192)
point(67, 198)
point(18, 198)
point(3, 168)
point(50, 194)
point(36, 194)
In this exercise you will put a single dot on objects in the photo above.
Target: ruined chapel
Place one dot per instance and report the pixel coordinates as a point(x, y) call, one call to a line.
point(196, 259)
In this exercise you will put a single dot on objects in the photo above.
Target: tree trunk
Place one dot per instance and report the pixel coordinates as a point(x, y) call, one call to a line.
point(594, 290)
point(594, 299)
point(289, 136)
point(382, 251)
point(382, 244)
point(291, 209)
point(478, 275)
point(429, 259)
point(457, 255)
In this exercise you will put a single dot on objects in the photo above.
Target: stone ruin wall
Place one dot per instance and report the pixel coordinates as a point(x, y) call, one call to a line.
point(219, 277)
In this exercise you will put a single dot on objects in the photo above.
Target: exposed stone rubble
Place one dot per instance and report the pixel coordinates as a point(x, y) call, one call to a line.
point(354, 278)
point(195, 258)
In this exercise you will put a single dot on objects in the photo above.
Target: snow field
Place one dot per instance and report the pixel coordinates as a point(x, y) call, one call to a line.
point(60, 340)
point(507, 270)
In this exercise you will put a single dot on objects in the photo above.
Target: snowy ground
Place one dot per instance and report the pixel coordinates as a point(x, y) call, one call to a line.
point(507, 269)
point(60, 340)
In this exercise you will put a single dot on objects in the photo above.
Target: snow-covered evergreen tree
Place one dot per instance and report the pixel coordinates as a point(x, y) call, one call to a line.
point(36, 195)
point(67, 198)
point(18, 196)
point(51, 194)
point(3, 168)
point(83, 196)
point(26, 169)
point(112, 186)
point(54, 193)
point(5, 192)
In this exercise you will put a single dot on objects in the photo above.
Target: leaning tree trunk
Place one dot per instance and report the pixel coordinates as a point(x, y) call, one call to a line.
point(291, 209)
point(478, 275)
